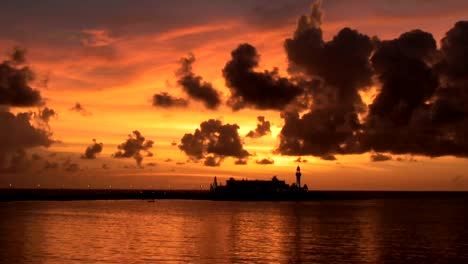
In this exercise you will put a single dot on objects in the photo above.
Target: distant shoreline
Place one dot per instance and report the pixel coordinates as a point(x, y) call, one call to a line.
point(136, 194)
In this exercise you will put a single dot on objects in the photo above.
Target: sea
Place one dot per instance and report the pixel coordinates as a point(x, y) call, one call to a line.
point(190, 231)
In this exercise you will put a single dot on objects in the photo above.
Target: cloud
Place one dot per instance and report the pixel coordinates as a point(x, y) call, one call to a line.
point(194, 85)
point(36, 156)
point(328, 157)
point(421, 108)
point(261, 90)
point(265, 161)
point(92, 150)
point(263, 128)
point(300, 159)
point(420, 102)
point(166, 100)
point(70, 166)
point(134, 146)
point(48, 165)
point(376, 157)
point(274, 14)
point(79, 108)
point(15, 79)
point(213, 142)
point(333, 73)
point(17, 134)
point(407, 80)
point(241, 162)
point(212, 161)
point(46, 114)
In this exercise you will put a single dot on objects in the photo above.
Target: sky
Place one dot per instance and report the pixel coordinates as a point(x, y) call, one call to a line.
point(363, 95)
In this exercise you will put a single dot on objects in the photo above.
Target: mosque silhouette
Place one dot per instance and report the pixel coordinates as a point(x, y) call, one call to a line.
point(259, 186)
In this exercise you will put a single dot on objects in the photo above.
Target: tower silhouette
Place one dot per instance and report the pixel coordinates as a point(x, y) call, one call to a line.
point(298, 176)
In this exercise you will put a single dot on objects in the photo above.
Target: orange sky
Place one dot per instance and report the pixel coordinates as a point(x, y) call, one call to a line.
point(113, 67)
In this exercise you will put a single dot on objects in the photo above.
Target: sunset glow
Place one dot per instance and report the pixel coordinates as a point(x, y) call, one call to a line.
point(99, 65)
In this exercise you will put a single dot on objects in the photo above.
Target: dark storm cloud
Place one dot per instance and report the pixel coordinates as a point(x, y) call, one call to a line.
point(166, 100)
point(17, 132)
point(263, 128)
point(134, 146)
point(92, 150)
point(421, 108)
point(17, 135)
point(321, 132)
point(213, 142)
point(407, 80)
point(420, 105)
point(333, 73)
point(79, 108)
point(376, 157)
point(265, 161)
point(454, 49)
point(15, 79)
point(261, 90)
point(194, 85)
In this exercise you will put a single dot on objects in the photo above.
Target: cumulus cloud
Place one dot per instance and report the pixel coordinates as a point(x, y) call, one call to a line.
point(166, 100)
point(79, 108)
point(213, 142)
point(92, 150)
point(17, 135)
point(333, 72)
point(134, 146)
point(261, 90)
point(420, 107)
point(15, 79)
point(194, 86)
point(263, 128)
point(265, 161)
point(376, 157)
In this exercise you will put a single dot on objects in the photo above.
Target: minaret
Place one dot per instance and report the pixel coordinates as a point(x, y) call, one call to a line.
point(298, 177)
point(214, 185)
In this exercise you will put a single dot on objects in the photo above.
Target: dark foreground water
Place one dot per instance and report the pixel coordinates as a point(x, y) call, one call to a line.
point(183, 231)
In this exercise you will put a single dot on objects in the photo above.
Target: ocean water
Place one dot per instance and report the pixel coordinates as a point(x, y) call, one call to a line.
point(185, 231)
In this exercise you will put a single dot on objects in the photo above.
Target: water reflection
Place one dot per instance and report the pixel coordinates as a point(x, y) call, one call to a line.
point(233, 232)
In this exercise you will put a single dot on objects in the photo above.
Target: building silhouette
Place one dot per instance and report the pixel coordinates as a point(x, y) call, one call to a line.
point(259, 186)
